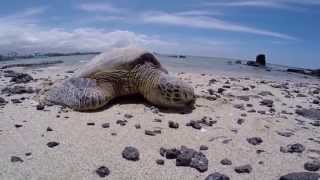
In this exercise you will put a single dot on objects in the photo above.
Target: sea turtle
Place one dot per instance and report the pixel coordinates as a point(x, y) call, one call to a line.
point(120, 72)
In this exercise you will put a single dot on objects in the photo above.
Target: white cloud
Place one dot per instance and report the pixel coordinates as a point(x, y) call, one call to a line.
point(99, 7)
point(278, 4)
point(22, 32)
point(204, 22)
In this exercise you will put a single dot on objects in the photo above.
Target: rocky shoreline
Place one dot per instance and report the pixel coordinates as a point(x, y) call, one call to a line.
point(241, 128)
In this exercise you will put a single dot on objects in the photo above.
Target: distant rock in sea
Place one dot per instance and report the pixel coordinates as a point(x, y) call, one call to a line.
point(260, 61)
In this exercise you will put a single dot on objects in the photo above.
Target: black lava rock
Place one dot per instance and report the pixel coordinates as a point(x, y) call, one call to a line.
point(103, 171)
point(16, 159)
point(266, 102)
point(243, 169)
point(40, 107)
point(217, 176)
point(203, 148)
point(185, 156)
point(49, 129)
point(194, 124)
point(226, 162)
point(122, 122)
point(130, 153)
point(90, 124)
point(105, 125)
point(16, 101)
point(137, 126)
point(17, 125)
point(160, 161)
point(52, 144)
point(173, 125)
point(172, 153)
point(200, 162)
point(293, 148)
point(301, 176)
point(21, 78)
point(313, 114)
point(312, 165)
point(261, 60)
point(149, 133)
point(18, 90)
point(255, 141)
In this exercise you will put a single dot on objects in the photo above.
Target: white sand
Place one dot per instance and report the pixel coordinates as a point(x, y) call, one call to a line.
point(83, 148)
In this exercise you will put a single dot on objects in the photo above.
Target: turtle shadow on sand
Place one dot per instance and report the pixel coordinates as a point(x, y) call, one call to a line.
point(139, 99)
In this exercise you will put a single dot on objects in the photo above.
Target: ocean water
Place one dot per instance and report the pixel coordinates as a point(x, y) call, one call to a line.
point(193, 64)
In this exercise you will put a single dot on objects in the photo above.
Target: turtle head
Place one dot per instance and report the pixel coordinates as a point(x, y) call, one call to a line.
point(172, 92)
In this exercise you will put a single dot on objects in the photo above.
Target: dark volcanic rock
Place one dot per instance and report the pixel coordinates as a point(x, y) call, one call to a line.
point(130, 153)
point(266, 102)
point(199, 162)
point(18, 90)
point(21, 78)
point(194, 124)
point(52, 144)
point(312, 165)
point(300, 176)
point(293, 148)
point(315, 123)
point(243, 169)
point(49, 129)
point(226, 162)
point(265, 93)
point(90, 124)
point(160, 161)
point(16, 101)
point(173, 125)
point(170, 153)
point(137, 126)
point(105, 125)
point(40, 107)
point(16, 159)
point(149, 133)
point(122, 122)
point(3, 101)
point(217, 176)
point(285, 134)
point(255, 140)
point(103, 171)
point(261, 60)
point(185, 156)
point(313, 114)
point(203, 148)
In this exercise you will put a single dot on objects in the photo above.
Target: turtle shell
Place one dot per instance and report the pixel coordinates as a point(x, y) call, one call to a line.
point(123, 59)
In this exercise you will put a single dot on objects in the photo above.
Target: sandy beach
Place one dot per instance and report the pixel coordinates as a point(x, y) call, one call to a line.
point(244, 121)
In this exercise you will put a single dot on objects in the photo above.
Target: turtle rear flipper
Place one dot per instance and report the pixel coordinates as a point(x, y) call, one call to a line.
point(80, 94)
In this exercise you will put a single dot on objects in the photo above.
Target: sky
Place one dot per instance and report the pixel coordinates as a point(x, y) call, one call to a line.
point(287, 31)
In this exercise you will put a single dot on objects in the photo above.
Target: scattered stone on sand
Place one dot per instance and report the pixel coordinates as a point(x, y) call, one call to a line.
point(226, 162)
point(244, 98)
point(194, 124)
point(313, 114)
point(301, 176)
point(19, 77)
point(240, 121)
point(203, 148)
point(52, 144)
point(49, 129)
point(266, 102)
point(217, 176)
point(187, 157)
point(255, 140)
point(160, 161)
point(239, 106)
point(137, 126)
point(173, 125)
point(149, 133)
point(18, 90)
point(3, 101)
point(312, 165)
point(130, 153)
point(122, 122)
point(315, 123)
point(16, 101)
point(128, 116)
point(40, 107)
point(18, 125)
point(292, 148)
point(90, 124)
point(157, 120)
point(103, 171)
point(285, 134)
point(243, 169)
point(265, 93)
point(105, 125)
point(16, 159)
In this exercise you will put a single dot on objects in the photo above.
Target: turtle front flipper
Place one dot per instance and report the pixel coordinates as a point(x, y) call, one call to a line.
point(81, 94)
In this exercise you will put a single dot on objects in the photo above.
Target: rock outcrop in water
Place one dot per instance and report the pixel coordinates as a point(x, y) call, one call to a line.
point(260, 61)
point(31, 64)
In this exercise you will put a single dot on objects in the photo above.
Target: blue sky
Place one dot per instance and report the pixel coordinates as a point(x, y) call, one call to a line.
point(286, 30)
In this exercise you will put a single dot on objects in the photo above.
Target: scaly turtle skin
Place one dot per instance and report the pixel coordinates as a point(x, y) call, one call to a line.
point(119, 72)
